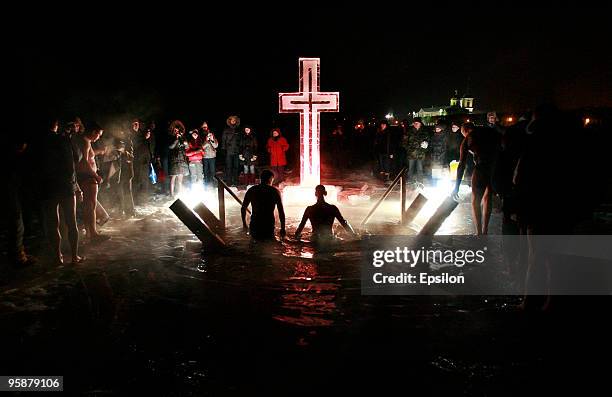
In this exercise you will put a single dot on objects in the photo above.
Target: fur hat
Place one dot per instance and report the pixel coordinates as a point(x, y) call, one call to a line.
point(235, 118)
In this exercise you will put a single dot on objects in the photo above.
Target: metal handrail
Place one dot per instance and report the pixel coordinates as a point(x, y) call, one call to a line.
point(230, 191)
point(400, 176)
point(221, 198)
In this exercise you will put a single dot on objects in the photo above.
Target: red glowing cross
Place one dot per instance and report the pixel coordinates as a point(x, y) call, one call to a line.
point(309, 102)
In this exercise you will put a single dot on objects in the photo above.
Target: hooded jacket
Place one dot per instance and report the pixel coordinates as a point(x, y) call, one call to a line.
point(210, 145)
point(248, 145)
point(230, 141)
point(277, 148)
point(195, 151)
point(382, 142)
point(439, 144)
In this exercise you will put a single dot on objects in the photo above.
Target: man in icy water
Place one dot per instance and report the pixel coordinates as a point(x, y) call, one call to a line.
point(483, 144)
point(263, 198)
point(322, 217)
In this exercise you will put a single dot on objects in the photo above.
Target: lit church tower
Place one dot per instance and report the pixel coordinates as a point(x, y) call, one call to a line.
point(467, 102)
point(455, 100)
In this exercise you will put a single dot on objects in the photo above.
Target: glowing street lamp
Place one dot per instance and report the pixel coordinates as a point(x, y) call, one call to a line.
point(587, 121)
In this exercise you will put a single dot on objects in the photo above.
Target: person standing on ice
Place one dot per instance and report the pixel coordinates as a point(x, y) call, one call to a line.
point(277, 146)
point(126, 159)
point(60, 192)
point(194, 152)
point(484, 147)
point(230, 143)
point(248, 154)
point(89, 180)
point(493, 123)
point(144, 149)
point(439, 157)
point(322, 216)
point(210, 153)
point(454, 142)
point(383, 150)
point(263, 198)
point(416, 144)
point(177, 158)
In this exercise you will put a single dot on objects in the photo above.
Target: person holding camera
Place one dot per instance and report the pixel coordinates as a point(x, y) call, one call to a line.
point(144, 149)
point(194, 152)
point(177, 157)
point(210, 154)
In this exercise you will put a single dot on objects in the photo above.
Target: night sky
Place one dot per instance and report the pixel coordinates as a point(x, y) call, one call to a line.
point(380, 59)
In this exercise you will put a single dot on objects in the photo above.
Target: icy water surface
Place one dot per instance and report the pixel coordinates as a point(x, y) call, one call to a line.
point(150, 310)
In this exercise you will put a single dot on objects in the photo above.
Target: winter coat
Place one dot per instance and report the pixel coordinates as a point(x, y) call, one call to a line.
point(127, 157)
point(412, 142)
point(210, 146)
point(277, 148)
point(230, 142)
point(195, 151)
point(143, 148)
point(454, 143)
point(58, 167)
point(438, 145)
point(382, 143)
point(177, 151)
point(248, 147)
point(337, 142)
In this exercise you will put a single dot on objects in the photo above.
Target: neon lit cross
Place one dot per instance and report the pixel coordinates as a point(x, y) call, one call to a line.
point(309, 102)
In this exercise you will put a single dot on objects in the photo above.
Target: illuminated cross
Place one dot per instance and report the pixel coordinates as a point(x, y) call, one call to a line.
point(309, 102)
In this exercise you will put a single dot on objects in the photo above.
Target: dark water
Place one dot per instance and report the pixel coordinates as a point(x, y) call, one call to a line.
point(150, 312)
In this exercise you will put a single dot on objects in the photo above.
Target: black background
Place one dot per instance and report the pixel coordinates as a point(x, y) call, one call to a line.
point(110, 65)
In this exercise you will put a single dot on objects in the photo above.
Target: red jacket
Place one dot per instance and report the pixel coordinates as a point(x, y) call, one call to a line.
point(195, 152)
point(277, 149)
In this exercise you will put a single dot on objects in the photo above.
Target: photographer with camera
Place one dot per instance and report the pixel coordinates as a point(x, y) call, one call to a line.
point(194, 152)
point(210, 154)
point(177, 157)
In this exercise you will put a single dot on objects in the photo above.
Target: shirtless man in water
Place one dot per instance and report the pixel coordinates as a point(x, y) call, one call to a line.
point(483, 144)
point(263, 198)
point(322, 217)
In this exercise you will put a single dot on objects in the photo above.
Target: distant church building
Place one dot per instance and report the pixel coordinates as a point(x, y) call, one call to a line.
point(463, 104)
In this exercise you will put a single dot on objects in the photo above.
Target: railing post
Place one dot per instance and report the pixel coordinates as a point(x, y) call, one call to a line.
point(204, 232)
point(413, 210)
point(403, 198)
point(438, 218)
point(221, 199)
point(384, 196)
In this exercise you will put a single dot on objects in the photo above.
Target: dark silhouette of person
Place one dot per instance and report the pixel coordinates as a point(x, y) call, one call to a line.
point(484, 145)
point(548, 135)
point(60, 191)
point(322, 216)
point(15, 159)
point(263, 198)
